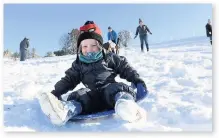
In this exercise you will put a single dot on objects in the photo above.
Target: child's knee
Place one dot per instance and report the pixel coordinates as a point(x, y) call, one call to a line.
point(112, 89)
point(124, 95)
point(82, 97)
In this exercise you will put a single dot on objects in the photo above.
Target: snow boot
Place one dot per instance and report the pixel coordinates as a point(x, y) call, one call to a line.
point(147, 47)
point(127, 109)
point(59, 112)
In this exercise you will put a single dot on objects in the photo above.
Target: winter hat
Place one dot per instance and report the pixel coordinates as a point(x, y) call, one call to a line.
point(140, 20)
point(89, 31)
point(25, 38)
point(109, 27)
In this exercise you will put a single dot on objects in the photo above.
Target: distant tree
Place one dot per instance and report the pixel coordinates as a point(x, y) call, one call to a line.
point(74, 37)
point(6, 53)
point(29, 55)
point(59, 53)
point(33, 53)
point(15, 55)
point(124, 37)
point(65, 42)
point(68, 42)
point(49, 54)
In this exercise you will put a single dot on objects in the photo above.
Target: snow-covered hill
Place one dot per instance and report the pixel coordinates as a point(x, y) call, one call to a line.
point(178, 75)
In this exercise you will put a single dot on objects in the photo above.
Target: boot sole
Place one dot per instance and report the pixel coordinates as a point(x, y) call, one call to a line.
point(53, 110)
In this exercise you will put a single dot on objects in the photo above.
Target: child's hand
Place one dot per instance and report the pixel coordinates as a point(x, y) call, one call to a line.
point(139, 80)
point(59, 97)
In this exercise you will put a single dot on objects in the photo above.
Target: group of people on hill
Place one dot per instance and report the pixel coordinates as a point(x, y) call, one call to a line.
point(113, 41)
point(112, 45)
point(142, 30)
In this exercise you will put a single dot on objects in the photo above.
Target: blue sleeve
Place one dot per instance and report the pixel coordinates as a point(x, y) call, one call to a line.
point(108, 36)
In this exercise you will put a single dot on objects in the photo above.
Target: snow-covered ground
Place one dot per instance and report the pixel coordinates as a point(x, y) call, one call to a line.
point(178, 77)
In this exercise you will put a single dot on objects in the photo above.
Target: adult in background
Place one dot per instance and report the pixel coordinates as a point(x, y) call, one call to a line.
point(209, 30)
point(112, 35)
point(24, 45)
point(142, 30)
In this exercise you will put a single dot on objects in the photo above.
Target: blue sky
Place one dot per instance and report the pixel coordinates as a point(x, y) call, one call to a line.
point(44, 24)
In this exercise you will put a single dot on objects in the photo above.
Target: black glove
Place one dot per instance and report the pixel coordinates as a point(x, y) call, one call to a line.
point(139, 80)
point(135, 36)
point(55, 94)
point(151, 33)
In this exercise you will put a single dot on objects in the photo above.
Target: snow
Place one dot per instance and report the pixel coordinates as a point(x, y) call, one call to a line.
point(178, 75)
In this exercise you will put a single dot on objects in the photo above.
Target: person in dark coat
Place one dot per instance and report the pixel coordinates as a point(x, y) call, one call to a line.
point(142, 31)
point(97, 71)
point(24, 45)
point(209, 30)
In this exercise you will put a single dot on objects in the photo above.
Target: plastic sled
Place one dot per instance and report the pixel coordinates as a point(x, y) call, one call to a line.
point(141, 94)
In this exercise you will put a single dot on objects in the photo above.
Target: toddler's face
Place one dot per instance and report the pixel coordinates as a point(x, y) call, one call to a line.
point(89, 45)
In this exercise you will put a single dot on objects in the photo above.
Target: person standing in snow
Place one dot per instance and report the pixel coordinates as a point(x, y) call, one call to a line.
point(112, 35)
point(24, 45)
point(142, 30)
point(97, 71)
point(209, 30)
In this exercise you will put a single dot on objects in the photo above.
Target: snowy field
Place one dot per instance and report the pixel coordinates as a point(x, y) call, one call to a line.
point(178, 76)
